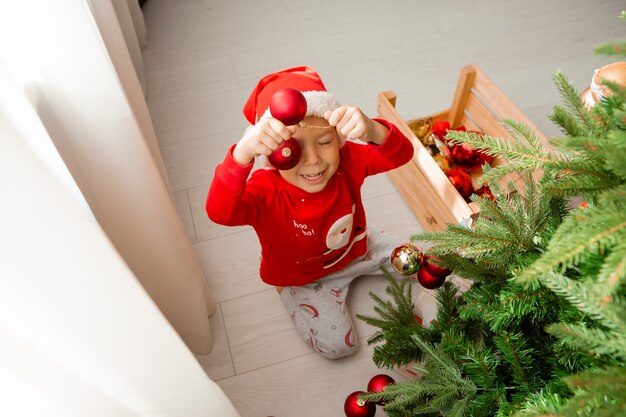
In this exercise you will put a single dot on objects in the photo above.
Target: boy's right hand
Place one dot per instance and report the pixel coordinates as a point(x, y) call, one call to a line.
point(261, 139)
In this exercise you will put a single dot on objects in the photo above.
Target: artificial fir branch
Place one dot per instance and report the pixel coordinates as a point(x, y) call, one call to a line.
point(442, 386)
point(396, 322)
point(592, 230)
point(612, 274)
point(612, 48)
point(568, 123)
point(597, 340)
point(575, 106)
point(548, 298)
point(506, 228)
point(598, 393)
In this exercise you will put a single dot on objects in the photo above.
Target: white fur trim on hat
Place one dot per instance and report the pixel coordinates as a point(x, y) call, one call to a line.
point(317, 103)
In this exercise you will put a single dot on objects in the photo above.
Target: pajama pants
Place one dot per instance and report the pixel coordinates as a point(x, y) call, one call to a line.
point(319, 311)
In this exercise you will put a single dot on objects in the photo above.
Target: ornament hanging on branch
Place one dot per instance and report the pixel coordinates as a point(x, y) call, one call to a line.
point(615, 72)
point(406, 259)
point(432, 275)
point(355, 407)
point(378, 383)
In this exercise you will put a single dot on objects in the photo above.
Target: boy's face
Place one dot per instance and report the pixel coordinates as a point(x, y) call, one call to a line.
point(320, 156)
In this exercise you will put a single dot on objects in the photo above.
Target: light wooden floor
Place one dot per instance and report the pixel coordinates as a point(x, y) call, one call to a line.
point(203, 58)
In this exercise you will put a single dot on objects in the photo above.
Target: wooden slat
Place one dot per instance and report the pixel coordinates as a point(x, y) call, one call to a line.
point(468, 122)
point(479, 105)
point(463, 87)
point(426, 207)
point(486, 120)
point(500, 104)
point(450, 207)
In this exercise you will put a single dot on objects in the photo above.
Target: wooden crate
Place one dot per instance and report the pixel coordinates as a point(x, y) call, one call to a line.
point(479, 105)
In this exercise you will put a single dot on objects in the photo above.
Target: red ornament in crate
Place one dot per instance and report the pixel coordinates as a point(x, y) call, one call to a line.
point(461, 181)
point(470, 159)
point(354, 407)
point(485, 192)
point(441, 127)
point(378, 384)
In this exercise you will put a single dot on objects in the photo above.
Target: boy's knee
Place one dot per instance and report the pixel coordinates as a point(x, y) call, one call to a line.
point(340, 352)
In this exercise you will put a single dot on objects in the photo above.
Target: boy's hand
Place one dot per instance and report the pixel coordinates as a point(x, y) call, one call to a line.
point(352, 124)
point(261, 139)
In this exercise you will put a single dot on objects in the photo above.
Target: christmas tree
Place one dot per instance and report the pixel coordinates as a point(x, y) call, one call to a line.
point(542, 329)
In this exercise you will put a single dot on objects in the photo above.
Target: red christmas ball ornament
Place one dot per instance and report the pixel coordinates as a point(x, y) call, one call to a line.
point(428, 280)
point(378, 383)
point(354, 407)
point(440, 129)
point(287, 155)
point(485, 192)
point(433, 268)
point(288, 105)
point(461, 181)
point(469, 158)
point(406, 259)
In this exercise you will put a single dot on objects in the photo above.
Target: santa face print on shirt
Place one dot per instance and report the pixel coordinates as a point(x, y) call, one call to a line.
point(340, 236)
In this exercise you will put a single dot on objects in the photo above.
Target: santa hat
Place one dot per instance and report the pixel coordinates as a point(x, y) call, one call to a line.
point(303, 79)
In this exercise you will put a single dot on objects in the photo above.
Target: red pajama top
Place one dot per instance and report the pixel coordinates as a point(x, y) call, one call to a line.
point(304, 236)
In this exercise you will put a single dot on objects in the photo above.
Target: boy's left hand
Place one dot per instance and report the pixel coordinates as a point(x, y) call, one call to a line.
point(352, 124)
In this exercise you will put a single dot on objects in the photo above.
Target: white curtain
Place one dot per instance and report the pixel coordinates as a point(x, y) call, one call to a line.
point(79, 335)
point(100, 291)
point(71, 60)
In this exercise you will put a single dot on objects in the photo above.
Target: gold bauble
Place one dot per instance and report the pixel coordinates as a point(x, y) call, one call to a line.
point(406, 259)
point(615, 72)
point(442, 161)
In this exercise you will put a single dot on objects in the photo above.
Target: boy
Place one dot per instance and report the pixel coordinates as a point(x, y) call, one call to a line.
point(310, 219)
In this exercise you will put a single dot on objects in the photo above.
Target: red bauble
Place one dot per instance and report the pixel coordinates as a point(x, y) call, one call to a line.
point(378, 384)
point(287, 155)
point(485, 192)
point(433, 268)
point(469, 158)
point(461, 181)
point(353, 407)
point(288, 105)
point(429, 281)
point(440, 129)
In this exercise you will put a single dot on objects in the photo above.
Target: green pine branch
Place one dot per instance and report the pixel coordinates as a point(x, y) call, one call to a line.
point(584, 232)
point(597, 393)
point(611, 48)
point(612, 274)
point(396, 323)
point(571, 97)
point(567, 122)
point(442, 386)
point(521, 360)
point(506, 228)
